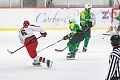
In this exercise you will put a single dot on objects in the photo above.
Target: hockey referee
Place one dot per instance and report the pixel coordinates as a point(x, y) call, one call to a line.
point(113, 72)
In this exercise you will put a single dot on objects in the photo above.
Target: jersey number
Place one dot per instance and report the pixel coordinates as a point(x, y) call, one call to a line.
point(23, 32)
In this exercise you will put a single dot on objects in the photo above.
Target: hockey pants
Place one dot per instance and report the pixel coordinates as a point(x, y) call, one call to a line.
point(86, 41)
point(87, 35)
point(72, 47)
point(31, 48)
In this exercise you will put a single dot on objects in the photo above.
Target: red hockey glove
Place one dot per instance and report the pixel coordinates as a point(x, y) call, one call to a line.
point(44, 34)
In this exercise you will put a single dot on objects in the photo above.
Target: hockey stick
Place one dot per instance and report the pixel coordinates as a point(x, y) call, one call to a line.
point(57, 50)
point(19, 48)
point(49, 46)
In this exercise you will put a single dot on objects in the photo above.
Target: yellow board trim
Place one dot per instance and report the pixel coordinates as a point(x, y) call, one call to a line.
point(53, 28)
point(9, 29)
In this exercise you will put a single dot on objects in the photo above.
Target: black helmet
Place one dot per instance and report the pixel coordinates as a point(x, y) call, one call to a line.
point(115, 39)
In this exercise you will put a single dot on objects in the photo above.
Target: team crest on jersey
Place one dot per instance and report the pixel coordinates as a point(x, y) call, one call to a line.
point(83, 15)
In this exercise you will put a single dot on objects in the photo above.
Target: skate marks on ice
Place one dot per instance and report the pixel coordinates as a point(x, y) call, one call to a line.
point(23, 68)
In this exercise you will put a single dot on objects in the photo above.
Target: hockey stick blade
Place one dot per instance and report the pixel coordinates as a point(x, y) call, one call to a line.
point(9, 51)
point(106, 34)
point(57, 50)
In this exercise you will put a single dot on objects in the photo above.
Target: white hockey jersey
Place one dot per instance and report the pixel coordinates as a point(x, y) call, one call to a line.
point(27, 32)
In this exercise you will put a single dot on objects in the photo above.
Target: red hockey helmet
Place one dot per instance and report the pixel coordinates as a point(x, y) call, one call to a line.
point(26, 23)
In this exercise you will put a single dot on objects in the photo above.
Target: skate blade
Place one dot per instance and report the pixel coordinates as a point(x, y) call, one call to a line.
point(37, 65)
point(51, 64)
point(70, 58)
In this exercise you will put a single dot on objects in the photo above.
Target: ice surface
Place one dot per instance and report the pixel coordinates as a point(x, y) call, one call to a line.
point(92, 65)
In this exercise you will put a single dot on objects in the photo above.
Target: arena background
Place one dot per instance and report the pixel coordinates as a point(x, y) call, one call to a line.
point(54, 14)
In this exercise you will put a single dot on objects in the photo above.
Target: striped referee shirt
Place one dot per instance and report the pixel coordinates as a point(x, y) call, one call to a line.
point(114, 64)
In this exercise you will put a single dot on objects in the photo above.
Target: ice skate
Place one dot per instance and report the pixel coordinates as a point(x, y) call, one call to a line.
point(70, 56)
point(36, 63)
point(84, 49)
point(49, 63)
point(75, 51)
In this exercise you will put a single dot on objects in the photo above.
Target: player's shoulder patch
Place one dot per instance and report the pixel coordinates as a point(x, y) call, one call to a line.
point(71, 25)
point(83, 15)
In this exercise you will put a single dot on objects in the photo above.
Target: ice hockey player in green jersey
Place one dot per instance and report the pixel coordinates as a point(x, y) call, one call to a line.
point(86, 24)
point(75, 37)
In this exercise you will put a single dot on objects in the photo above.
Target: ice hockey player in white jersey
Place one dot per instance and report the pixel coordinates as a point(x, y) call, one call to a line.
point(29, 40)
point(115, 25)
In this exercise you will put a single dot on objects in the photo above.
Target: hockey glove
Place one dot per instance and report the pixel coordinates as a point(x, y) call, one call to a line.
point(44, 34)
point(66, 37)
point(90, 24)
